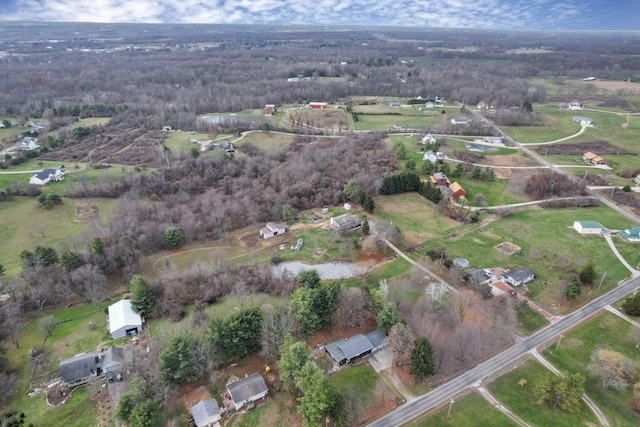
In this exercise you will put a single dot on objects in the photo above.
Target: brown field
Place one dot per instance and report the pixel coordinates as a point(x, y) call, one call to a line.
point(613, 85)
point(600, 147)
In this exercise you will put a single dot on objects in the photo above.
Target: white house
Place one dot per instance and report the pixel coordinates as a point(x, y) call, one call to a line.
point(518, 276)
point(273, 229)
point(493, 139)
point(247, 390)
point(430, 156)
point(428, 139)
point(637, 179)
point(28, 143)
point(46, 175)
point(582, 120)
point(459, 121)
point(122, 320)
point(587, 227)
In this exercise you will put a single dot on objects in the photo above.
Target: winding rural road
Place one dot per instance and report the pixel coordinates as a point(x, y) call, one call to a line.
point(473, 377)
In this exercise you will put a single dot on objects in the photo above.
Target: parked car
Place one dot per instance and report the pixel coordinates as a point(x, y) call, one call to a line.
point(119, 376)
point(110, 377)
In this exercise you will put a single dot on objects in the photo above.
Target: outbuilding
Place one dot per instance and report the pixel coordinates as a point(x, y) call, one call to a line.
point(206, 413)
point(123, 320)
point(587, 227)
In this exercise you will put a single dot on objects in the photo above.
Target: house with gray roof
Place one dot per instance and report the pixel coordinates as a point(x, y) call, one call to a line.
point(350, 349)
point(46, 175)
point(113, 360)
point(80, 368)
point(344, 224)
point(247, 390)
point(206, 413)
point(518, 276)
point(478, 276)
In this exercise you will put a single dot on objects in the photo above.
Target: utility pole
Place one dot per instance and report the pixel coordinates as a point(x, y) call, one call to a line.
point(602, 279)
point(559, 339)
point(612, 190)
point(450, 405)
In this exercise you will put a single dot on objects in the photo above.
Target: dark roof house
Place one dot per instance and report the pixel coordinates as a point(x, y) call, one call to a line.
point(79, 368)
point(352, 348)
point(113, 359)
point(344, 224)
point(248, 389)
point(478, 276)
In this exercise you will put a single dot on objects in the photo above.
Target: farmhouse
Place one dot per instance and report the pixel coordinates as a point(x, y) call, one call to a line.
point(593, 159)
point(350, 349)
point(631, 234)
point(637, 179)
point(28, 144)
point(344, 224)
point(206, 413)
point(428, 139)
point(457, 191)
point(493, 139)
point(317, 105)
point(582, 120)
point(564, 106)
point(46, 175)
point(122, 320)
point(273, 229)
point(575, 105)
point(587, 227)
point(430, 156)
point(80, 368)
point(439, 179)
point(518, 276)
point(247, 390)
point(269, 110)
point(459, 121)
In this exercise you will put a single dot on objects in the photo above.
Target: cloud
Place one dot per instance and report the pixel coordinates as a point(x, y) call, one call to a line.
point(499, 14)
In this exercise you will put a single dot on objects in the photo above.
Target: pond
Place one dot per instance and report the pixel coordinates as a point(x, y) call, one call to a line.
point(327, 271)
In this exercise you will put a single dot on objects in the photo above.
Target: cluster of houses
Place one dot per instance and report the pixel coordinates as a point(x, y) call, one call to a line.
point(442, 182)
point(593, 159)
point(594, 227)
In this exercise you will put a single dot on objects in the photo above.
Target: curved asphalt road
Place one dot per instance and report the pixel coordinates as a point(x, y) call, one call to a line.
point(473, 377)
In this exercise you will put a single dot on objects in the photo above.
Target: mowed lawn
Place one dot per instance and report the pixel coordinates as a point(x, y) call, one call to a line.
point(549, 247)
point(520, 399)
point(468, 411)
point(417, 218)
point(24, 225)
point(266, 141)
point(574, 353)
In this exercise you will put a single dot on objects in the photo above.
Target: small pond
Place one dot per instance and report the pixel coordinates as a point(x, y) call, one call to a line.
point(327, 271)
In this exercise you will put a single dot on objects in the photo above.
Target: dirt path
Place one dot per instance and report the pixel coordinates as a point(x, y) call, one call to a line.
point(381, 362)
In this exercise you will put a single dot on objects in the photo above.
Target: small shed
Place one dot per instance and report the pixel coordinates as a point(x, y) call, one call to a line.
point(347, 207)
point(273, 229)
point(249, 389)
point(457, 191)
point(461, 263)
point(205, 413)
point(587, 227)
point(123, 320)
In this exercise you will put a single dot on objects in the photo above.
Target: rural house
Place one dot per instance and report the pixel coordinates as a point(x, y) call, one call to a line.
point(28, 144)
point(113, 359)
point(457, 191)
point(637, 179)
point(593, 159)
point(478, 276)
point(46, 175)
point(582, 120)
point(80, 368)
point(587, 227)
point(247, 390)
point(430, 156)
point(122, 320)
point(518, 276)
point(350, 349)
point(493, 139)
point(206, 413)
point(459, 121)
point(428, 139)
point(439, 179)
point(631, 234)
point(344, 224)
point(317, 105)
point(269, 110)
point(564, 106)
point(273, 229)
point(575, 105)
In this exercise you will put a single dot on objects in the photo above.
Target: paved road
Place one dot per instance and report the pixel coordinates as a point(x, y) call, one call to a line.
point(473, 377)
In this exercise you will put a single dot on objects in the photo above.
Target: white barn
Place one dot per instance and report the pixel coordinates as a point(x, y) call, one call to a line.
point(123, 320)
point(587, 227)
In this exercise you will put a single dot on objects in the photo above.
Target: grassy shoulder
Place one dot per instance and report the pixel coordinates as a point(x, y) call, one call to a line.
point(518, 397)
point(574, 353)
point(468, 411)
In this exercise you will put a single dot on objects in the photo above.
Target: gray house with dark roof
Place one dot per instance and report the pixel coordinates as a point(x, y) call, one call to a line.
point(249, 389)
point(355, 347)
point(78, 369)
point(478, 276)
point(205, 413)
point(344, 224)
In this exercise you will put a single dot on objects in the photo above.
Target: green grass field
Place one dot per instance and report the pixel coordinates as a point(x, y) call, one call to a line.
point(574, 353)
point(530, 322)
point(496, 192)
point(468, 411)
point(267, 141)
point(52, 228)
point(68, 339)
point(521, 400)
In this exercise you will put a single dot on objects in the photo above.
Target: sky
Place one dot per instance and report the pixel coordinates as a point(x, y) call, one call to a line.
point(485, 14)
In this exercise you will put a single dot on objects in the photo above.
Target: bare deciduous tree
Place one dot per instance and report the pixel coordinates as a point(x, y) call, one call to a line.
point(401, 340)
